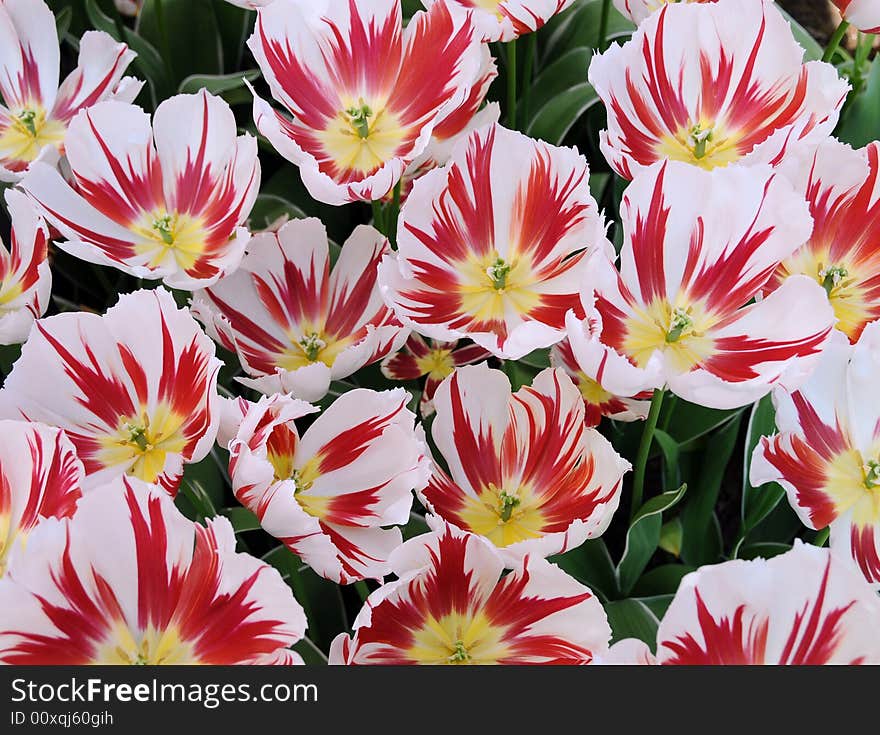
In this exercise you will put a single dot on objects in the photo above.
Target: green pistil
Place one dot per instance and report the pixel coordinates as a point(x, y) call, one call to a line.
point(698, 139)
point(299, 485)
point(498, 273)
point(678, 325)
point(508, 504)
point(872, 474)
point(28, 118)
point(164, 226)
point(312, 345)
point(138, 436)
point(359, 116)
point(460, 655)
point(831, 277)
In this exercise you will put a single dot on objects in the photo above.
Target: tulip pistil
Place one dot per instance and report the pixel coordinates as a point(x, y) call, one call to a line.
point(832, 277)
point(312, 345)
point(680, 323)
point(359, 117)
point(498, 272)
point(872, 474)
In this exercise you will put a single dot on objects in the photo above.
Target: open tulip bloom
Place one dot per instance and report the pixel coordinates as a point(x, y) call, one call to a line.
point(638, 10)
point(436, 360)
point(35, 110)
point(525, 471)
point(365, 95)
point(295, 323)
point(450, 607)
point(331, 493)
point(827, 452)
point(163, 201)
point(841, 187)
point(711, 84)
point(505, 20)
point(677, 313)
point(863, 14)
point(805, 607)
point(493, 246)
point(598, 402)
point(135, 390)
point(25, 277)
point(40, 477)
point(129, 580)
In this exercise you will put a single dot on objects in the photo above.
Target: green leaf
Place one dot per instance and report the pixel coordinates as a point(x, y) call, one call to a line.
point(632, 619)
point(567, 71)
point(217, 83)
point(861, 119)
point(700, 544)
point(553, 121)
point(62, 22)
point(670, 537)
point(100, 20)
point(580, 27)
point(643, 537)
point(657, 604)
point(8, 355)
point(662, 580)
point(757, 503)
point(690, 423)
point(671, 468)
point(590, 563)
point(242, 519)
point(538, 359)
point(269, 208)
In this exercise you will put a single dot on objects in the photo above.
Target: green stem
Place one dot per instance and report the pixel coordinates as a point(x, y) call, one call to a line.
point(644, 450)
point(603, 25)
point(531, 55)
point(392, 215)
point(834, 43)
point(511, 85)
point(822, 536)
point(378, 218)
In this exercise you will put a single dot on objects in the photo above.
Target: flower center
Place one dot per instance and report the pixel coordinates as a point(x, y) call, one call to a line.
point(312, 344)
point(27, 119)
point(680, 324)
point(698, 139)
point(459, 654)
point(498, 272)
point(507, 503)
point(164, 227)
point(831, 277)
point(300, 481)
point(359, 118)
point(871, 470)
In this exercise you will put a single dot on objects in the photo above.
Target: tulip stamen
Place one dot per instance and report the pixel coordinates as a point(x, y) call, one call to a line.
point(832, 277)
point(680, 323)
point(460, 654)
point(359, 118)
point(698, 139)
point(506, 505)
point(164, 225)
point(498, 272)
point(871, 470)
point(28, 119)
point(312, 345)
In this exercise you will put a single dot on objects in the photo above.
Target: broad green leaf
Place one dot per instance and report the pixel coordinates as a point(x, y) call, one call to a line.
point(100, 20)
point(690, 423)
point(700, 544)
point(217, 83)
point(657, 604)
point(670, 537)
point(662, 580)
point(670, 450)
point(581, 27)
point(632, 619)
point(269, 208)
point(564, 73)
point(538, 359)
point(591, 564)
point(8, 355)
point(242, 519)
point(763, 550)
point(861, 119)
point(552, 122)
point(643, 537)
point(62, 22)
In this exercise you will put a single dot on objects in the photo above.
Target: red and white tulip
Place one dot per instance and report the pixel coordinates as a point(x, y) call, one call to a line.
point(598, 402)
point(805, 607)
point(40, 477)
point(295, 324)
point(525, 471)
point(135, 389)
point(711, 84)
point(841, 187)
point(25, 277)
point(436, 360)
point(129, 580)
point(36, 110)
point(638, 10)
point(331, 493)
point(364, 93)
point(863, 14)
point(449, 607)
point(505, 20)
point(493, 247)
point(677, 313)
point(166, 200)
point(827, 452)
